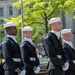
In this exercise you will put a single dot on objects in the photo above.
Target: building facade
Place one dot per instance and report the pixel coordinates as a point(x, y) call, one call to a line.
point(7, 11)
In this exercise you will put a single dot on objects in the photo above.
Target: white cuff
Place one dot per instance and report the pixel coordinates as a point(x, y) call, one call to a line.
point(23, 72)
point(16, 69)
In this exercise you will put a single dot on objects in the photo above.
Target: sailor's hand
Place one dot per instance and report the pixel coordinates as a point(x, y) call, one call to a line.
point(19, 72)
point(66, 66)
point(37, 69)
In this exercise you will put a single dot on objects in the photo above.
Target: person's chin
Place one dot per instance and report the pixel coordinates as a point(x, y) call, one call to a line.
point(15, 34)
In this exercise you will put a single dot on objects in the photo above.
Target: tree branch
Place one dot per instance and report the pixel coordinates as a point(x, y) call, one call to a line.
point(42, 16)
point(52, 12)
point(36, 22)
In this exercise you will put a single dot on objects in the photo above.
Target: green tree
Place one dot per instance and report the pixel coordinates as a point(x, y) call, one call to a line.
point(38, 12)
point(1, 33)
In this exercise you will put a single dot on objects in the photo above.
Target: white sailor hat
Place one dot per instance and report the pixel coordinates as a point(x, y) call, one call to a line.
point(9, 24)
point(27, 28)
point(64, 31)
point(53, 20)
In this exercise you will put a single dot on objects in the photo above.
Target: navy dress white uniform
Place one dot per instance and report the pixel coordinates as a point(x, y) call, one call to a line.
point(70, 51)
point(11, 52)
point(28, 52)
point(54, 50)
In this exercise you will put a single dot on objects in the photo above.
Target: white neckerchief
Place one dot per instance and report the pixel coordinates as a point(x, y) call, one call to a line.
point(56, 33)
point(29, 40)
point(13, 37)
point(69, 43)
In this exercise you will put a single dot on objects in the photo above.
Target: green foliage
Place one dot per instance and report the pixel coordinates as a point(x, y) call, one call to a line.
point(39, 33)
point(18, 37)
point(38, 12)
point(1, 33)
